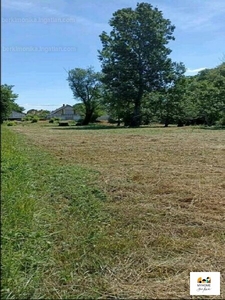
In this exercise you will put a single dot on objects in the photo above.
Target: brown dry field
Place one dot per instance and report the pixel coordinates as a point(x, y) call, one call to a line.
point(166, 191)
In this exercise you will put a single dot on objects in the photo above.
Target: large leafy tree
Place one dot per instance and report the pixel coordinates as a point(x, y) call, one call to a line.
point(7, 102)
point(135, 58)
point(86, 86)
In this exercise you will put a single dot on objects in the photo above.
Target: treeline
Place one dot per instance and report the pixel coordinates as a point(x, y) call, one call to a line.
point(139, 83)
point(193, 100)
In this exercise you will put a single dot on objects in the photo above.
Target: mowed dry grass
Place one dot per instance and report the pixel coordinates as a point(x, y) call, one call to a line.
point(166, 196)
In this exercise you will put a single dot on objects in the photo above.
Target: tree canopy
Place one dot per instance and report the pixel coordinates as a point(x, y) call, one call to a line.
point(135, 58)
point(86, 86)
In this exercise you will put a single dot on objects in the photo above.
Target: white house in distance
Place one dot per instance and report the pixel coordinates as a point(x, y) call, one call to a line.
point(65, 112)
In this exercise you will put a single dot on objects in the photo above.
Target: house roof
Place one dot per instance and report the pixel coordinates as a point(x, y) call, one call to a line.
point(62, 107)
point(15, 114)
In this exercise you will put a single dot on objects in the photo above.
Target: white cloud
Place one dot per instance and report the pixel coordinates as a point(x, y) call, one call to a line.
point(37, 8)
point(196, 15)
point(16, 5)
point(44, 9)
point(195, 71)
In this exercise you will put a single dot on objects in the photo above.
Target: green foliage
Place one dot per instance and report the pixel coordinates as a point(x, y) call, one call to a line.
point(11, 123)
point(171, 103)
point(205, 96)
point(53, 120)
point(80, 122)
point(135, 58)
point(99, 111)
point(17, 108)
point(56, 119)
point(31, 118)
point(142, 84)
point(221, 121)
point(151, 109)
point(79, 109)
point(34, 119)
point(41, 114)
point(190, 100)
point(7, 102)
point(27, 118)
point(86, 86)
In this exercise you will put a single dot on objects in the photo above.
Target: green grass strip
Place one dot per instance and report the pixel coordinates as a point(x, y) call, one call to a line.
point(53, 226)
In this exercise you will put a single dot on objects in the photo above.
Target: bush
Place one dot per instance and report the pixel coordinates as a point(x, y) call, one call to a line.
point(34, 119)
point(79, 122)
point(51, 120)
point(221, 121)
point(27, 118)
point(56, 119)
point(11, 123)
point(112, 121)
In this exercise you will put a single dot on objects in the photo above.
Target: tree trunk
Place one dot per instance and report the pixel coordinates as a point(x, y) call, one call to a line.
point(166, 123)
point(136, 117)
point(180, 123)
point(87, 117)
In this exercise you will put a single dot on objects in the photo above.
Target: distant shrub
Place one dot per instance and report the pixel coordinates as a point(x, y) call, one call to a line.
point(79, 122)
point(11, 123)
point(34, 119)
point(221, 122)
point(51, 120)
point(27, 118)
point(56, 119)
point(112, 121)
point(72, 122)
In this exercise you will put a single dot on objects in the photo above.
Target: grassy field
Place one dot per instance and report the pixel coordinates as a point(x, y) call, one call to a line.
point(111, 213)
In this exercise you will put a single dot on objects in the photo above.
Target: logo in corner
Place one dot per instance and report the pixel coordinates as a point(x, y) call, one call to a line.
point(204, 283)
point(207, 280)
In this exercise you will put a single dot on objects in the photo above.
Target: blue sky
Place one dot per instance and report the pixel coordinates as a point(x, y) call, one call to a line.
point(43, 38)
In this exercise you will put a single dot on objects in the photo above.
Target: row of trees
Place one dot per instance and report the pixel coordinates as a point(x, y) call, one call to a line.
point(139, 83)
point(193, 100)
point(7, 103)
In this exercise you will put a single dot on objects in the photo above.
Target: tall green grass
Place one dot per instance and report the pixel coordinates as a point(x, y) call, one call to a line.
point(54, 227)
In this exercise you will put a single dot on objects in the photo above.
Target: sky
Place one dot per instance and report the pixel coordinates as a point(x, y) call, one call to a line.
point(43, 39)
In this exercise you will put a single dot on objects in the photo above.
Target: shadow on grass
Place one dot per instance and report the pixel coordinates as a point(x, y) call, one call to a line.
point(102, 127)
point(87, 127)
point(213, 127)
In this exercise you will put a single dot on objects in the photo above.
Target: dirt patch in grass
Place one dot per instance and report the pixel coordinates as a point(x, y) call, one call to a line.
point(166, 197)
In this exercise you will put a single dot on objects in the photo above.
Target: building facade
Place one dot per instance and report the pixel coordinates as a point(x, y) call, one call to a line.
point(65, 112)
